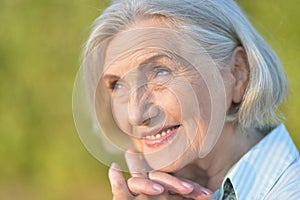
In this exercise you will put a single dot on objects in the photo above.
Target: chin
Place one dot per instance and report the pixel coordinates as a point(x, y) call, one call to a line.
point(170, 167)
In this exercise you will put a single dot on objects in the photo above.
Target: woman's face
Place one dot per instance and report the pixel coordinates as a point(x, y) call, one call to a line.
point(160, 96)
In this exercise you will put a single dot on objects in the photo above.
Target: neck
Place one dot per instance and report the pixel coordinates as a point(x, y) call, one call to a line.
point(231, 146)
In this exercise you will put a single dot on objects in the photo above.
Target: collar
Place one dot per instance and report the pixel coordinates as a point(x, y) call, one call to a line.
point(254, 175)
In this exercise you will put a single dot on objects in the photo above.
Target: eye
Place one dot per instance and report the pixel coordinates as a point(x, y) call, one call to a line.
point(160, 75)
point(115, 85)
point(162, 72)
point(118, 90)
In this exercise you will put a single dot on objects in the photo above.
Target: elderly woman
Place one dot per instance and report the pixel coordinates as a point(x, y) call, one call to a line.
point(196, 88)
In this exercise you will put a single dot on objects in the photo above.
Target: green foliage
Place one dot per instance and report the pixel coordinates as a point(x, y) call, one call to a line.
point(40, 153)
point(41, 156)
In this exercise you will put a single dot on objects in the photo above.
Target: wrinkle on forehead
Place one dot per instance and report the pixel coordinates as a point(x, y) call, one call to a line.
point(129, 61)
point(132, 47)
point(154, 31)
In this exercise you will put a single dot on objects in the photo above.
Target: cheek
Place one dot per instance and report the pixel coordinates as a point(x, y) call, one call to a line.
point(120, 115)
point(180, 99)
point(168, 101)
point(194, 99)
point(203, 99)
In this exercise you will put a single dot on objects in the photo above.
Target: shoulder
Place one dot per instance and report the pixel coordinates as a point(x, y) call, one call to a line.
point(288, 185)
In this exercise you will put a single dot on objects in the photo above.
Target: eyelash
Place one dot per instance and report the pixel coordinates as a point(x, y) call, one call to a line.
point(112, 85)
point(156, 70)
point(159, 69)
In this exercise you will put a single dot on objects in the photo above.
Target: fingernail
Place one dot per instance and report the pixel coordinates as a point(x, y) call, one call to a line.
point(158, 187)
point(115, 166)
point(130, 150)
point(187, 185)
point(205, 191)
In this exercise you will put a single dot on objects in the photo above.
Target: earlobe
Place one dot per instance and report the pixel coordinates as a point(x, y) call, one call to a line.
point(240, 72)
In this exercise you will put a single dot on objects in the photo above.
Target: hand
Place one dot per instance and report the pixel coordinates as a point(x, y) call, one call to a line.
point(185, 188)
point(155, 185)
point(140, 188)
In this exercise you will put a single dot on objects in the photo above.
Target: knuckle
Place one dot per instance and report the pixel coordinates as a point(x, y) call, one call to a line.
point(116, 186)
point(133, 186)
point(131, 181)
point(154, 174)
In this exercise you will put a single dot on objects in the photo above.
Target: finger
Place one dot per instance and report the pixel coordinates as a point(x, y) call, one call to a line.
point(181, 186)
point(140, 185)
point(199, 192)
point(118, 184)
point(139, 182)
point(136, 163)
point(171, 183)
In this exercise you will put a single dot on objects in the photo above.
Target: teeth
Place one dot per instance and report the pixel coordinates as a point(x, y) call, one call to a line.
point(149, 137)
point(159, 135)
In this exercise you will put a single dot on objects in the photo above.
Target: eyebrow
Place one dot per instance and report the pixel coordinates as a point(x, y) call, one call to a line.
point(145, 62)
point(153, 58)
point(108, 77)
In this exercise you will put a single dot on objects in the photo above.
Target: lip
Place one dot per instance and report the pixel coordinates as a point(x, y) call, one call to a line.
point(163, 139)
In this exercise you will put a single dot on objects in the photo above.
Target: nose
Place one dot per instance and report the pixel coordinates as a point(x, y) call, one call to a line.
point(141, 109)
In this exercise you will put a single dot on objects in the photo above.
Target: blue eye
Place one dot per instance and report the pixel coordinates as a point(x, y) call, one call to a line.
point(162, 72)
point(118, 86)
point(159, 72)
point(115, 85)
point(160, 76)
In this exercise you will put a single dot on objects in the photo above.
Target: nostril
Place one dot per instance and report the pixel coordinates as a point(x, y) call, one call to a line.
point(151, 113)
point(139, 119)
point(146, 122)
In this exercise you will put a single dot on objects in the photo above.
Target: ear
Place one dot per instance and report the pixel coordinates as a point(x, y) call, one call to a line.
point(240, 72)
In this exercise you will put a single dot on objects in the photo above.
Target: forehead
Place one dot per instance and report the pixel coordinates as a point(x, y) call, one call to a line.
point(143, 40)
point(120, 65)
point(148, 38)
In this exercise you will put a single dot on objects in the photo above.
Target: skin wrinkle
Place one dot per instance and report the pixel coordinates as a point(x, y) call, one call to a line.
point(175, 77)
point(210, 174)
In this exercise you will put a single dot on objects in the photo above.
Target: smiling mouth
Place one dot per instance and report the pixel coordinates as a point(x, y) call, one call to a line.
point(161, 137)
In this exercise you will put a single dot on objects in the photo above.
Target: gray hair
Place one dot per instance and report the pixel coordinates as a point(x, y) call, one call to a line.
point(219, 26)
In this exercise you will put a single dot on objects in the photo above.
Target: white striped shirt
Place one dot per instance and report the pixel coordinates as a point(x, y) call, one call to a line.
point(269, 171)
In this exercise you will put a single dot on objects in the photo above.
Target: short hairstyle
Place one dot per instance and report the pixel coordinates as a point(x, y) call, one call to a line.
point(219, 26)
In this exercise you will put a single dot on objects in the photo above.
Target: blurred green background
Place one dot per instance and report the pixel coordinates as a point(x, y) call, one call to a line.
point(41, 156)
